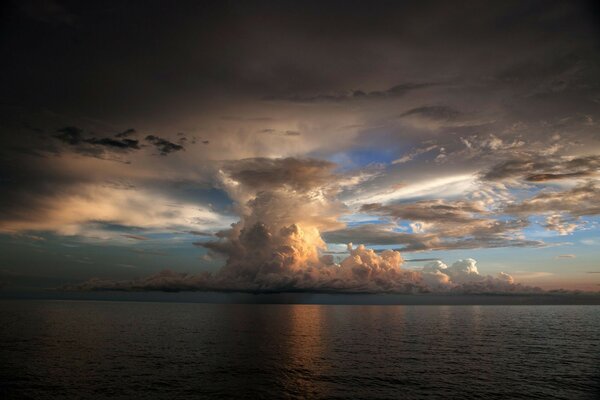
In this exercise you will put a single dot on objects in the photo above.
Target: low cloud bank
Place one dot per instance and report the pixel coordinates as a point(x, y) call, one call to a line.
point(363, 271)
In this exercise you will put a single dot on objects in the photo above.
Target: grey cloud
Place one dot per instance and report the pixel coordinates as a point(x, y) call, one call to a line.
point(124, 144)
point(95, 146)
point(398, 90)
point(443, 113)
point(126, 133)
point(553, 74)
point(429, 210)
point(200, 233)
point(540, 168)
point(278, 132)
point(376, 234)
point(264, 173)
point(553, 177)
point(70, 135)
point(136, 237)
point(164, 146)
point(563, 209)
point(566, 256)
point(246, 119)
point(439, 224)
point(580, 201)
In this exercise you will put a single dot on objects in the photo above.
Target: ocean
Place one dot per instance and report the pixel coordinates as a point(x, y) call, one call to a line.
point(110, 349)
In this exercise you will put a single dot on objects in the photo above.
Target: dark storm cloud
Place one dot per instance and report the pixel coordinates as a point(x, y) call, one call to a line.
point(164, 146)
point(126, 133)
point(75, 137)
point(70, 135)
point(554, 74)
point(221, 50)
point(123, 144)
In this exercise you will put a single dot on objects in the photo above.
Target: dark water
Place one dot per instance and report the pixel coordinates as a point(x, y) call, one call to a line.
point(78, 349)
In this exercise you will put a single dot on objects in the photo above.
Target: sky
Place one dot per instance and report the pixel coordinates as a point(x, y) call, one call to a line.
point(332, 146)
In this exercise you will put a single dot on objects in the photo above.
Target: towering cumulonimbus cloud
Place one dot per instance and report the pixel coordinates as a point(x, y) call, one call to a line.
point(284, 205)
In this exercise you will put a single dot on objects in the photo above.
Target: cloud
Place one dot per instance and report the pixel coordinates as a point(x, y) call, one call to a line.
point(397, 90)
point(523, 118)
point(579, 201)
point(563, 208)
point(464, 277)
point(70, 135)
point(75, 137)
point(437, 187)
point(90, 210)
point(126, 133)
point(124, 144)
point(164, 146)
point(136, 237)
point(277, 244)
point(541, 169)
point(553, 177)
point(363, 271)
point(443, 113)
point(414, 153)
point(382, 234)
point(437, 225)
point(256, 174)
point(99, 147)
point(200, 233)
point(280, 132)
point(566, 256)
point(556, 222)
point(429, 210)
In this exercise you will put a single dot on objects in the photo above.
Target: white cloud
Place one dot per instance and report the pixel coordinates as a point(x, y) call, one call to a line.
point(444, 187)
point(83, 212)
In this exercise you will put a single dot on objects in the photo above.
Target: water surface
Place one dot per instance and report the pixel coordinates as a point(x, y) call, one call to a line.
point(86, 349)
